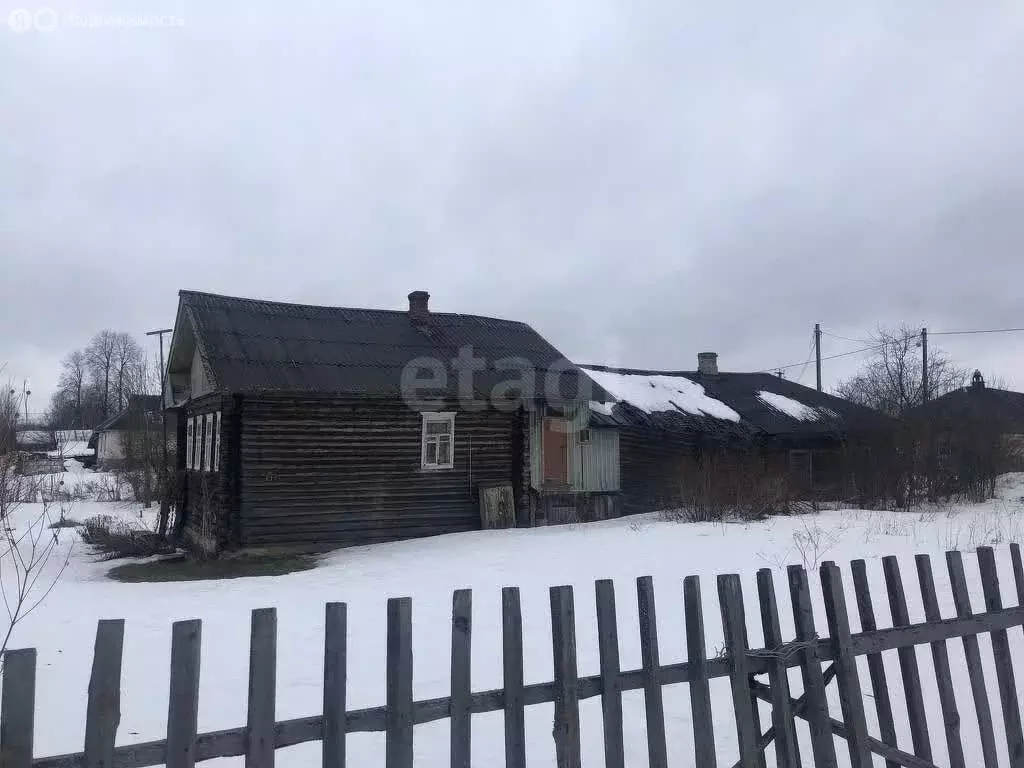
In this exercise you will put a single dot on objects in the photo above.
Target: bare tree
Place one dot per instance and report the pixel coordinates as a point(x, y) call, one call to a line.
point(129, 362)
point(10, 413)
point(101, 353)
point(73, 383)
point(891, 380)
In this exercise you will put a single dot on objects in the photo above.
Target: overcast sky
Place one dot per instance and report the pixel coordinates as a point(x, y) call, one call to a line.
point(638, 180)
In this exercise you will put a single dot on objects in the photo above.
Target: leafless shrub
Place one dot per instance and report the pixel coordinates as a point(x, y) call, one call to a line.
point(116, 538)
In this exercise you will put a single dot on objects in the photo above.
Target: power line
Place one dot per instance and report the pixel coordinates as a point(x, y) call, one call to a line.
point(964, 333)
point(830, 357)
point(845, 338)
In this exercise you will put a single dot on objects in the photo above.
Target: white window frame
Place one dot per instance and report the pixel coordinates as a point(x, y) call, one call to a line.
point(208, 443)
point(190, 430)
point(201, 442)
point(215, 461)
point(438, 417)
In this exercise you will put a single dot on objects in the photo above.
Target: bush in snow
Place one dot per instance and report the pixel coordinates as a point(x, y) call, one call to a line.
point(119, 538)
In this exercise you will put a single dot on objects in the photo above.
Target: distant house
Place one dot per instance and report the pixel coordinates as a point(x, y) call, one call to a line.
point(331, 426)
point(666, 420)
point(139, 421)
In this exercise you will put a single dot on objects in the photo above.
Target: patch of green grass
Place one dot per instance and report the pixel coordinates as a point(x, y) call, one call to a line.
point(183, 569)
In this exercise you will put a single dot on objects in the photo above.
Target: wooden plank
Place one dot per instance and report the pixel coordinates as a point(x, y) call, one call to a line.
point(461, 686)
point(611, 694)
point(947, 629)
point(1018, 572)
point(17, 708)
point(850, 696)
point(787, 753)
point(876, 663)
point(657, 751)
point(398, 742)
point(259, 750)
point(700, 691)
point(183, 705)
point(822, 743)
point(940, 661)
point(512, 665)
point(566, 729)
point(335, 685)
point(103, 711)
point(972, 654)
point(1003, 660)
point(730, 597)
point(909, 670)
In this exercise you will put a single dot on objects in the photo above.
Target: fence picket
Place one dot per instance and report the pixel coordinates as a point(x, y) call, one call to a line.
point(907, 655)
point(972, 653)
point(787, 753)
point(851, 698)
point(876, 664)
point(730, 597)
point(335, 685)
point(103, 711)
point(611, 693)
point(461, 674)
point(940, 661)
point(1018, 572)
point(566, 729)
point(17, 708)
point(700, 690)
point(822, 744)
point(657, 751)
point(398, 741)
point(259, 749)
point(512, 662)
point(183, 705)
point(1003, 659)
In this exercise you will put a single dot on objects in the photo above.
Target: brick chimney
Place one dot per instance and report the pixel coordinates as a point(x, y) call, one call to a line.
point(419, 312)
point(707, 363)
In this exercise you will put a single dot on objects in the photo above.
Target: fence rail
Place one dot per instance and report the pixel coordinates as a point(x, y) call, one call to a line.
point(262, 734)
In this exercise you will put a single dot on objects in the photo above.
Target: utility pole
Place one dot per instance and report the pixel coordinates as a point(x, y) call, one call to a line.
point(924, 365)
point(163, 391)
point(25, 391)
point(817, 352)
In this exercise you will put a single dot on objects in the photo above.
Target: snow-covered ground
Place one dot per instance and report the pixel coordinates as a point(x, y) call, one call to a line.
point(429, 570)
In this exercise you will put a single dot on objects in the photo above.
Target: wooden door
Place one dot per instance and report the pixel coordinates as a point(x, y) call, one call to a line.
point(555, 452)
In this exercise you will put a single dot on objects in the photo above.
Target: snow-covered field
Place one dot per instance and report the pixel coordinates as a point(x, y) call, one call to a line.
point(429, 570)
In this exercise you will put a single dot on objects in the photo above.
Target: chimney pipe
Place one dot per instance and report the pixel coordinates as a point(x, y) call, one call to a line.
point(707, 363)
point(419, 312)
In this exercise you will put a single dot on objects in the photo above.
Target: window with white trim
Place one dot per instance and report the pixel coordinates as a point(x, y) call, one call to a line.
point(201, 433)
point(215, 461)
point(208, 447)
point(190, 427)
point(438, 443)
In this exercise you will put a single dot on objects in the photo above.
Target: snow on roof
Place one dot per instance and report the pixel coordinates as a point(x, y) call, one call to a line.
point(658, 392)
point(604, 408)
point(793, 408)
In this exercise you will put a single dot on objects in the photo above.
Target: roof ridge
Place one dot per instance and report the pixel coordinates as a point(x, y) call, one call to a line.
point(184, 293)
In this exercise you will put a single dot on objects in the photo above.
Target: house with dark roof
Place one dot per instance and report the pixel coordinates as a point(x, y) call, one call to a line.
point(140, 420)
point(325, 426)
point(667, 420)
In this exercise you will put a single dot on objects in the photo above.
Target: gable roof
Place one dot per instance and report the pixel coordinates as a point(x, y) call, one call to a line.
point(981, 404)
point(725, 404)
point(138, 405)
point(250, 345)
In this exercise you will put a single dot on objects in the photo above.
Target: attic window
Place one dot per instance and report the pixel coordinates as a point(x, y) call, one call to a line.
point(438, 441)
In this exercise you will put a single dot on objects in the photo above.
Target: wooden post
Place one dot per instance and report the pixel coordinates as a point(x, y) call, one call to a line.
point(398, 742)
point(183, 707)
point(820, 722)
point(700, 690)
point(876, 663)
point(850, 696)
point(103, 712)
point(566, 731)
point(972, 653)
point(512, 664)
point(787, 752)
point(17, 708)
point(909, 669)
point(730, 596)
point(1018, 572)
point(940, 661)
point(657, 752)
point(259, 749)
point(461, 688)
point(335, 682)
point(611, 692)
point(1003, 660)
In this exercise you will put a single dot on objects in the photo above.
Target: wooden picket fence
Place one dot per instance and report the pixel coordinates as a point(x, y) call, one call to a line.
point(263, 734)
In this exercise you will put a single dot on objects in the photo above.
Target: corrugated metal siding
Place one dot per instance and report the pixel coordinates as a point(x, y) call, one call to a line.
point(347, 471)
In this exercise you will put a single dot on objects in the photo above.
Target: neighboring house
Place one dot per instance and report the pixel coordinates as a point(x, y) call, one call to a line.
point(325, 426)
point(665, 420)
point(140, 420)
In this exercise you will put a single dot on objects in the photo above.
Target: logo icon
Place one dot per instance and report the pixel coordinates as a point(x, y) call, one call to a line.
point(46, 20)
point(20, 20)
